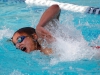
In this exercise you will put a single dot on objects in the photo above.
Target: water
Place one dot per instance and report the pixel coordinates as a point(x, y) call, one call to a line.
point(76, 58)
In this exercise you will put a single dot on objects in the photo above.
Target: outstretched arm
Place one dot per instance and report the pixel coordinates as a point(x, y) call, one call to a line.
point(50, 13)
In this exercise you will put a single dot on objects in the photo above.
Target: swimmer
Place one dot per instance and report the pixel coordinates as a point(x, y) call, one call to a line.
point(29, 39)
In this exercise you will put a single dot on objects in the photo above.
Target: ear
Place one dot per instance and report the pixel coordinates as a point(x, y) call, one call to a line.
point(35, 37)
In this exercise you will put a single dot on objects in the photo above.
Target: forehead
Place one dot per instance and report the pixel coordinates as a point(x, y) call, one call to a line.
point(16, 35)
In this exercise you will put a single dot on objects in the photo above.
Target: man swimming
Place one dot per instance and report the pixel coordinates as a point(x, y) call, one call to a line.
point(29, 39)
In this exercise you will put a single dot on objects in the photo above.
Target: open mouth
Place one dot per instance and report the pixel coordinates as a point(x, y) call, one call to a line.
point(23, 49)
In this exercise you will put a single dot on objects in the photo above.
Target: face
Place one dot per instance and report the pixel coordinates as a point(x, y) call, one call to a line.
point(24, 42)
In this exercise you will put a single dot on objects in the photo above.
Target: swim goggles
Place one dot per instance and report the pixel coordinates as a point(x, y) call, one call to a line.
point(21, 38)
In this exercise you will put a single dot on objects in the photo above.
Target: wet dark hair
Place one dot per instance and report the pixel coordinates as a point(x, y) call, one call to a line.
point(28, 30)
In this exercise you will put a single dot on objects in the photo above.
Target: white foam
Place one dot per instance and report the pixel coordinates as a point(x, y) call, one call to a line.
point(70, 44)
point(72, 50)
point(5, 32)
point(16, 72)
point(96, 42)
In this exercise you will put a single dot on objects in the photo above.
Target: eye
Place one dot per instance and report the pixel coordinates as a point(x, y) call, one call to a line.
point(19, 40)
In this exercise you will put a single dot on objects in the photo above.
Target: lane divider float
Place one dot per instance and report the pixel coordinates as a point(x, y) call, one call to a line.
point(65, 6)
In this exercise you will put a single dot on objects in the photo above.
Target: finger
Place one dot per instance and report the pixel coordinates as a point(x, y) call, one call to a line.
point(50, 39)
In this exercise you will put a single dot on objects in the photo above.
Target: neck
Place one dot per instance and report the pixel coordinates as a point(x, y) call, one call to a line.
point(38, 46)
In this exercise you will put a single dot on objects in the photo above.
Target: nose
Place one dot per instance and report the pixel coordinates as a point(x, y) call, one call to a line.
point(17, 45)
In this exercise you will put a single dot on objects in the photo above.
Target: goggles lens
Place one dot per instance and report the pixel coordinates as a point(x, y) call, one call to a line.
point(20, 39)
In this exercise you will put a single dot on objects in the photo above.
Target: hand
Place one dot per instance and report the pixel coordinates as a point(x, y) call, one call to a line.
point(43, 33)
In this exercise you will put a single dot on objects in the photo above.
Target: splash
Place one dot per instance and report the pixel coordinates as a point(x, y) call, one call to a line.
point(5, 33)
point(96, 42)
point(70, 44)
point(16, 72)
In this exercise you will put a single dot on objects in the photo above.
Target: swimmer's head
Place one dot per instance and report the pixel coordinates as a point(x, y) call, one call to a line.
point(25, 39)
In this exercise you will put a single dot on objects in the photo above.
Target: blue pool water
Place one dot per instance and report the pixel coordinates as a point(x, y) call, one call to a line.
point(76, 59)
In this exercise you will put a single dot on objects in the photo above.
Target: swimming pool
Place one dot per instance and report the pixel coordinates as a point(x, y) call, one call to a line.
point(76, 61)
